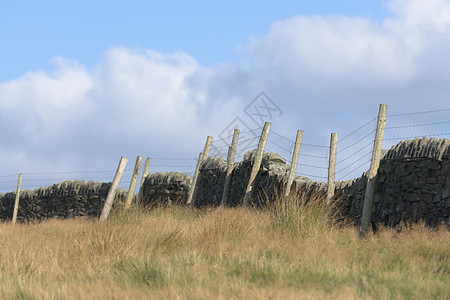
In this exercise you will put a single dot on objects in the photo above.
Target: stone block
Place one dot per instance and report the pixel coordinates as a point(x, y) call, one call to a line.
point(432, 180)
point(391, 220)
point(410, 168)
point(404, 215)
point(400, 207)
point(421, 208)
point(428, 198)
point(417, 184)
point(414, 197)
point(401, 171)
point(414, 211)
point(441, 180)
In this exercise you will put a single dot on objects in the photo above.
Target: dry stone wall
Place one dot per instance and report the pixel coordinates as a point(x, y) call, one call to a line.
point(413, 183)
point(269, 183)
point(63, 200)
point(349, 198)
point(167, 187)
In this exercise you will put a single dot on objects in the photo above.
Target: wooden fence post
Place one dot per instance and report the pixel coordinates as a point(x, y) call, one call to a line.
point(257, 162)
point(134, 178)
point(144, 175)
point(374, 164)
point(208, 143)
point(16, 203)
point(293, 169)
point(204, 154)
point(112, 190)
point(332, 167)
point(230, 159)
point(194, 180)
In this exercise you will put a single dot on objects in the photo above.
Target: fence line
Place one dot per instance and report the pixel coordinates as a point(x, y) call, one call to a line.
point(8, 183)
point(353, 152)
point(399, 127)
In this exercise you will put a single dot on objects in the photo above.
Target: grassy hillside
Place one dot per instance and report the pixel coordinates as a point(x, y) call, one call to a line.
point(290, 252)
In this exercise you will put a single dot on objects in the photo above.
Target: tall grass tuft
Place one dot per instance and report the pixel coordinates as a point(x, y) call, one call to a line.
point(299, 215)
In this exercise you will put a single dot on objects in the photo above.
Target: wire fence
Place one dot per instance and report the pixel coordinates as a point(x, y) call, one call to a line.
point(354, 152)
point(416, 125)
point(31, 181)
point(248, 140)
point(159, 165)
point(313, 162)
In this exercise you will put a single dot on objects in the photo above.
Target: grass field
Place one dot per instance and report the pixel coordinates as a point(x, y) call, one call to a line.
point(291, 252)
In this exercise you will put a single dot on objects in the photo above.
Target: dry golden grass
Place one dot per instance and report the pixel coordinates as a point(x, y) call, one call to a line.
point(283, 252)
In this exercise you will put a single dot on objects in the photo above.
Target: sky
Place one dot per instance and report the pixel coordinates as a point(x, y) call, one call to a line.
point(83, 83)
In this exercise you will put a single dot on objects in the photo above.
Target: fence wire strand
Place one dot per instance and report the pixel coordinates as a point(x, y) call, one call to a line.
point(408, 126)
point(351, 151)
point(352, 156)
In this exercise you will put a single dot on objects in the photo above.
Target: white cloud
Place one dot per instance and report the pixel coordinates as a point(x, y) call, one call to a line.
point(145, 90)
point(137, 96)
point(355, 49)
point(335, 47)
point(431, 16)
point(37, 104)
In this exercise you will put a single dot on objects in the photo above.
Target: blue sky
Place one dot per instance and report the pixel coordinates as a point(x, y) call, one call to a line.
point(33, 32)
point(85, 82)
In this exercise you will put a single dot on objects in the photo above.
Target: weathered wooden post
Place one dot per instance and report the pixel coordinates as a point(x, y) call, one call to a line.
point(208, 144)
point(257, 162)
point(204, 155)
point(230, 159)
point(332, 167)
point(194, 180)
point(293, 169)
point(144, 175)
point(371, 176)
point(16, 203)
point(134, 178)
point(112, 190)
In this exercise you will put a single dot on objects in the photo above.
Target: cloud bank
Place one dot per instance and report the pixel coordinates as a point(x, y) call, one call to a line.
point(327, 73)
